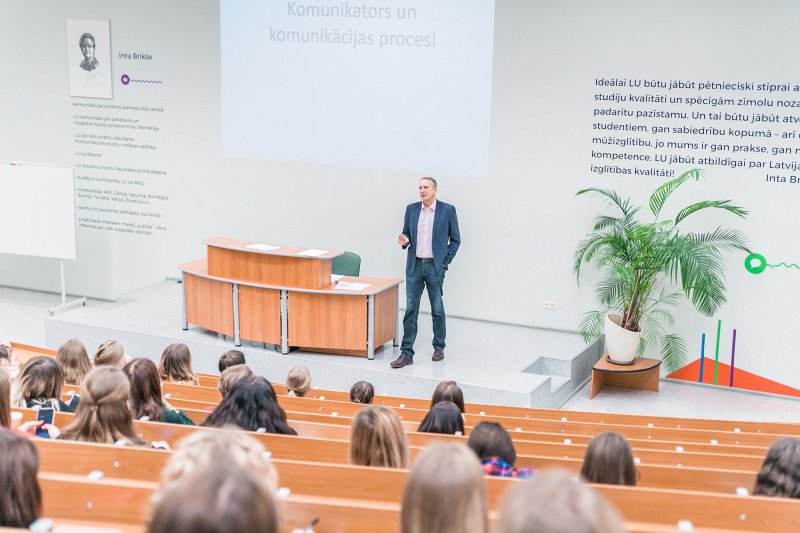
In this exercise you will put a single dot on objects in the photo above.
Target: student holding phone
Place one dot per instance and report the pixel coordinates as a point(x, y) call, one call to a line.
point(7, 420)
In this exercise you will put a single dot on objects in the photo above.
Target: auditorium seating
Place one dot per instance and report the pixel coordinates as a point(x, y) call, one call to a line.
point(690, 469)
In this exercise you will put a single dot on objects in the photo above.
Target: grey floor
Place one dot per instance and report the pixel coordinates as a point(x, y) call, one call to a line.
point(488, 359)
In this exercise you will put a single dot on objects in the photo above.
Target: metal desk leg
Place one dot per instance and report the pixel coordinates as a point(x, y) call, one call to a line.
point(284, 322)
point(371, 326)
point(236, 340)
point(184, 324)
point(396, 340)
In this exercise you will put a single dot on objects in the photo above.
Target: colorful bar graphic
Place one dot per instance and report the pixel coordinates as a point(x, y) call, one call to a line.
point(733, 356)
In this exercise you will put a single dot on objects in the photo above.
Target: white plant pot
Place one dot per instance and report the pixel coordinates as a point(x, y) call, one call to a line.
point(620, 342)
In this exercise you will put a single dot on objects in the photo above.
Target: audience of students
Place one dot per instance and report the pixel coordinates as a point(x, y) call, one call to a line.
point(252, 405)
point(444, 417)
point(554, 502)
point(223, 480)
point(110, 353)
point(362, 392)
point(40, 384)
point(103, 414)
point(231, 358)
point(20, 495)
point(492, 444)
point(175, 365)
point(609, 460)
point(298, 381)
point(145, 401)
point(448, 391)
point(780, 473)
point(231, 376)
point(445, 492)
point(73, 357)
point(377, 438)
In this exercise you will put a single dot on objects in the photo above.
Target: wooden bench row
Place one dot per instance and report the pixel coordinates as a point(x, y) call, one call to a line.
point(335, 451)
point(312, 405)
point(209, 381)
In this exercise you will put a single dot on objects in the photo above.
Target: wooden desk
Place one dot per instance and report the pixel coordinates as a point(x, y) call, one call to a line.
point(642, 374)
point(281, 297)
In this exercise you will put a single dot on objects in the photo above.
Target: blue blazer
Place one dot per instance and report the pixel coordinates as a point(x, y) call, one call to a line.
point(446, 237)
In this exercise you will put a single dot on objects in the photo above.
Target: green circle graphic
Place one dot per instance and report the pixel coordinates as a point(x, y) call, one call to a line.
point(755, 263)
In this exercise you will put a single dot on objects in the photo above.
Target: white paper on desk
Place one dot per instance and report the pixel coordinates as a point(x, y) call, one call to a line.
point(336, 277)
point(313, 252)
point(263, 247)
point(350, 286)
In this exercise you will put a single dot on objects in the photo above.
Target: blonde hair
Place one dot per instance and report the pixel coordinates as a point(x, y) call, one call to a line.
point(176, 364)
point(554, 502)
point(200, 450)
point(231, 376)
point(445, 492)
point(377, 438)
point(110, 353)
point(73, 357)
point(298, 381)
point(103, 415)
point(42, 378)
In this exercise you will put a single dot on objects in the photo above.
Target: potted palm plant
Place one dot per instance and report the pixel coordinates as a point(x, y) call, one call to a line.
point(647, 267)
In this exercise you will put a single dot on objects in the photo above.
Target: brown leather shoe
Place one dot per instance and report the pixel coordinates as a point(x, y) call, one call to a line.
point(401, 361)
point(438, 355)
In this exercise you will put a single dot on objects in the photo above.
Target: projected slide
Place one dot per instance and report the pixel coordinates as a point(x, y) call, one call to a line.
point(403, 85)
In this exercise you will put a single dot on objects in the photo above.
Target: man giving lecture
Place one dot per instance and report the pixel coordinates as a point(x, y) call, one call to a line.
point(430, 232)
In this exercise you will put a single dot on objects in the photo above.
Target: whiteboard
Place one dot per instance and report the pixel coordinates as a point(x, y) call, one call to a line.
point(37, 208)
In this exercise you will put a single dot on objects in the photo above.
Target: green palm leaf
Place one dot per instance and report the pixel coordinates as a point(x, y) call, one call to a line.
point(706, 204)
point(661, 194)
point(673, 352)
point(611, 197)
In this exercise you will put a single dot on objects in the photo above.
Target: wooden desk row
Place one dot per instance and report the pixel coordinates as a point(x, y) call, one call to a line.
point(282, 297)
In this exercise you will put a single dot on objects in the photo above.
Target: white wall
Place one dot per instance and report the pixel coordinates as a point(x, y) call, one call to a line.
point(519, 225)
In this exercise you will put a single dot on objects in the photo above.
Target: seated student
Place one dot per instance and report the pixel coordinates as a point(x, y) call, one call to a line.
point(9, 363)
point(73, 357)
point(231, 358)
point(110, 353)
point(103, 415)
point(362, 392)
point(377, 438)
point(40, 384)
point(444, 417)
point(609, 460)
point(222, 498)
point(231, 376)
point(780, 474)
point(298, 381)
point(202, 449)
point(253, 406)
point(145, 399)
point(493, 446)
point(445, 492)
point(27, 429)
point(175, 365)
point(448, 391)
point(556, 503)
point(20, 495)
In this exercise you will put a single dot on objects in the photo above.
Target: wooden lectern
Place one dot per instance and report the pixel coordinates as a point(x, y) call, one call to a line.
point(286, 296)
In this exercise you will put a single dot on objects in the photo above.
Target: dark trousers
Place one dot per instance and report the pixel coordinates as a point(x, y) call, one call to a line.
point(423, 277)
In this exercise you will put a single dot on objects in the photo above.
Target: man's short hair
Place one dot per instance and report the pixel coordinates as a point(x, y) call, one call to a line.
point(432, 180)
point(231, 358)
